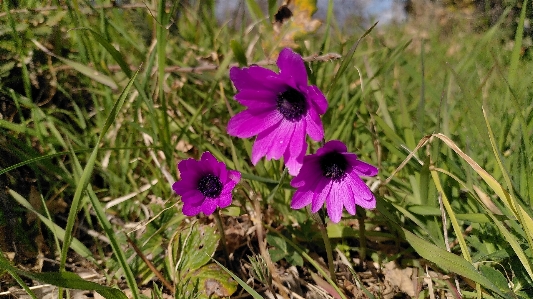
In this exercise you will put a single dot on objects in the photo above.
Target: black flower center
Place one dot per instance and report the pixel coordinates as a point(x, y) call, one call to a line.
point(210, 186)
point(291, 104)
point(333, 165)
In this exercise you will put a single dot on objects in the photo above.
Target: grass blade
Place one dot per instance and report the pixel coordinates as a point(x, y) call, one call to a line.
point(241, 283)
point(84, 179)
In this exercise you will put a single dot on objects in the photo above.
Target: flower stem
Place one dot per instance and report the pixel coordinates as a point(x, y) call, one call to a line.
point(220, 227)
point(362, 236)
point(327, 244)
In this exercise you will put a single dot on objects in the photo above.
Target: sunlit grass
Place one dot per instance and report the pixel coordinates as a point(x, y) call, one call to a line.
point(403, 85)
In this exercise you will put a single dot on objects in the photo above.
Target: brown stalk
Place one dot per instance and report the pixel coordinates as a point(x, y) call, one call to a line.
point(165, 282)
point(214, 67)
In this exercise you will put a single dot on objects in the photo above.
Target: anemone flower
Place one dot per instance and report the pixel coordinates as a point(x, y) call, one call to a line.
point(205, 184)
point(282, 109)
point(332, 175)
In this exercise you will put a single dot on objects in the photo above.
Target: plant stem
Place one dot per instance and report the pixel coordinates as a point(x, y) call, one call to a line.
point(220, 227)
point(327, 244)
point(362, 237)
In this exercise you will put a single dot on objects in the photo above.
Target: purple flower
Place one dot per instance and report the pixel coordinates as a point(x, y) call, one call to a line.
point(333, 175)
point(205, 184)
point(282, 109)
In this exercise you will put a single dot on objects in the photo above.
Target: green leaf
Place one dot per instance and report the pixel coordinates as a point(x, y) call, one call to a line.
point(83, 182)
point(212, 282)
point(277, 241)
point(448, 261)
point(243, 284)
point(276, 254)
point(199, 243)
point(495, 276)
point(294, 258)
point(255, 10)
point(76, 245)
point(4, 264)
point(71, 280)
point(87, 71)
point(238, 51)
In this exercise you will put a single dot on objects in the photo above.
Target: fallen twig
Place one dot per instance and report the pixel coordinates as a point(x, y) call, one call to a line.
point(214, 67)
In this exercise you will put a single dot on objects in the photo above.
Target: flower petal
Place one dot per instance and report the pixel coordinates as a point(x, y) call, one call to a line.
point(272, 142)
point(182, 187)
point(332, 146)
point(346, 196)
point(323, 190)
point(304, 194)
point(301, 199)
point(317, 98)
point(191, 205)
point(334, 202)
point(291, 65)
point(187, 166)
point(314, 125)
point(191, 210)
point(209, 205)
point(256, 77)
point(224, 200)
point(309, 172)
point(362, 194)
point(246, 124)
point(295, 152)
point(365, 169)
point(258, 99)
point(234, 176)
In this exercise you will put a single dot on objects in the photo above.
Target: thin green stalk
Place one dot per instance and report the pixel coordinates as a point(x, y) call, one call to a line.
point(220, 227)
point(327, 243)
point(362, 236)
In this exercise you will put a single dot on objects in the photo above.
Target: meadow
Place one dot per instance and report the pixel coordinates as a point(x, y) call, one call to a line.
point(99, 102)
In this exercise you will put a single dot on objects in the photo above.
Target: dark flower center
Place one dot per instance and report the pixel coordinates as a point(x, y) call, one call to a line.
point(210, 186)
point(291, 104)
point(333, 165)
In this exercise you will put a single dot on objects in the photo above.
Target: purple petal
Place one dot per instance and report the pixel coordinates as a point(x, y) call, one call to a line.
point(193, 198)
point(362, 194)
point(332, 146)
point(209, 205)
point(295, 152)
point(346, 196)
point(234, 176)
point(256, 77)
point(182, 187)
point(305, 193)
point(224, 201)
point(191, 210)
point(291, 65)
point(280, 139)
point(257, 99)
point(309, 173)
point(365, 169)
point(186, 166)
point(261, 144)
point(246, 124)
point(317, 98)
point(323, 190)
point(272, 142)
point(314, 125)
point(334, 202)
point(301, 199)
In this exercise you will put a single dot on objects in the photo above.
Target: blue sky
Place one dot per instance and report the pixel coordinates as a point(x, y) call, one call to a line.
point(379, 10)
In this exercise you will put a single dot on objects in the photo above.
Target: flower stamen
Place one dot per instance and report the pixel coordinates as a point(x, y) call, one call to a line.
point(291, 104)
point(210, 186)
point(333, 165)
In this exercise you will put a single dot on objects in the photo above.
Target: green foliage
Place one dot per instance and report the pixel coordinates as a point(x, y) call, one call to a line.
point(193, 249)
point(446, 115)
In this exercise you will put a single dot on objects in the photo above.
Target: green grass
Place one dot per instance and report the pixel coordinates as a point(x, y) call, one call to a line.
point(79, 125)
